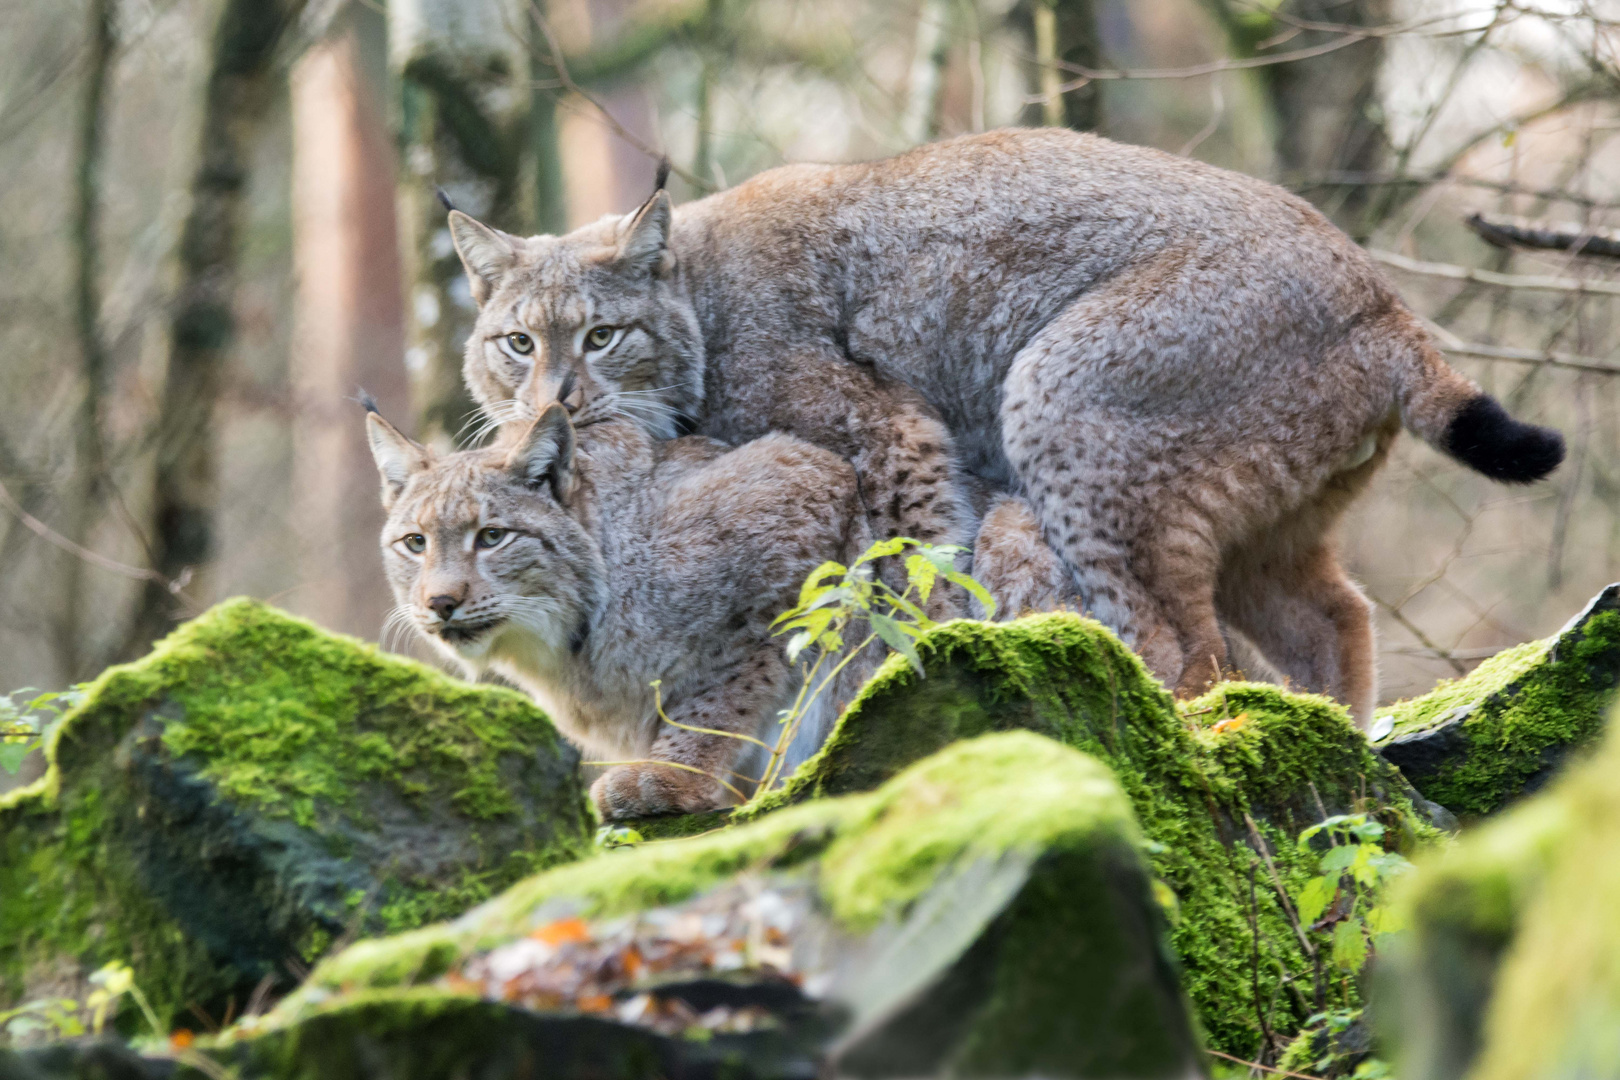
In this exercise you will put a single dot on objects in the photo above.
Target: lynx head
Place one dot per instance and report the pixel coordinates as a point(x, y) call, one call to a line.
point(481, 548)
point(597, 319)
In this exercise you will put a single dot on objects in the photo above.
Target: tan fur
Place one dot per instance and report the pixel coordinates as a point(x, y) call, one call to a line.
point(626, 561)
point(1012, 560)
point(1178, 367)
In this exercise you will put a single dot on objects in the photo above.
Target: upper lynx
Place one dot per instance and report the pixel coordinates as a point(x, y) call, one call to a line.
point(1187, 372)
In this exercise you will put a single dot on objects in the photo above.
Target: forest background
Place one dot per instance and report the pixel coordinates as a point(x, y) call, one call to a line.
point(217, 222)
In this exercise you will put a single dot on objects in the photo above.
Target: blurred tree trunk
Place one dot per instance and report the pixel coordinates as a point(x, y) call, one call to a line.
point(241, 85)
point(927, 83)
point(350, 318)
point(1066, 31)
point(1327, 110)
point(464, 71)
point(89, 458)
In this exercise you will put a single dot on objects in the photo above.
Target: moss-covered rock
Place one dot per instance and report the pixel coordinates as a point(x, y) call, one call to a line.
point(986, 912)
point(221, 811)
point(1477, 743)
point(1511, 969)
point(1244, 769)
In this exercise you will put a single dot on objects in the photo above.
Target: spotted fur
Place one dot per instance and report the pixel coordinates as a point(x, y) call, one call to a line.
point(1186, 372)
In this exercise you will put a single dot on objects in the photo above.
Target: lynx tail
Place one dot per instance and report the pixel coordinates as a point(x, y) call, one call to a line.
point(1450, 413)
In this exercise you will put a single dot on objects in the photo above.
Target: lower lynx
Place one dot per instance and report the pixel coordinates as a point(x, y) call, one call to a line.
point(585, 569)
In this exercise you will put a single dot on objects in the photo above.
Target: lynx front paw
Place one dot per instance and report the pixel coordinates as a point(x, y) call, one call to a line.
point(641, 790)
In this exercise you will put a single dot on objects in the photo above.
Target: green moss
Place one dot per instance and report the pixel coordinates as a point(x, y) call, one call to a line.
point(1525, 709)
point(1512, 965)
point(284, 716)
point(1287, 760)
point(220, 804)
point(1073, 975)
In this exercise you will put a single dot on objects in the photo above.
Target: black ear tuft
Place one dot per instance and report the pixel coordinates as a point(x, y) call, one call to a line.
point(444, 199)
point(1485, 438)
point(364, 399)
point(663, 173)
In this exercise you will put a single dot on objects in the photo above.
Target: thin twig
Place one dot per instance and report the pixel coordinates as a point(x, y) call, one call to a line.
point(1423, 639)
point(566, 81)
point(1263, 1068)
point(1534, 282)
point(1276, 880)
point(51, 536)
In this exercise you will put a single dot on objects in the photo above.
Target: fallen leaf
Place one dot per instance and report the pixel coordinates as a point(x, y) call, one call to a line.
point(1232, 724)
point(555, 933)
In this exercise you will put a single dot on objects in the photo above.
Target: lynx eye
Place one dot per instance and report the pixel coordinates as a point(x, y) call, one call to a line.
point(415, 543)
point(490, 537)
point(599, 337)
point(521, 343)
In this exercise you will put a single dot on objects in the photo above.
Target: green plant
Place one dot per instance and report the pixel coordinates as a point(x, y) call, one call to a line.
point(833, 597)
point(1345, 902)
point(58, 1016)
point(65, 1018)
point(26, 724)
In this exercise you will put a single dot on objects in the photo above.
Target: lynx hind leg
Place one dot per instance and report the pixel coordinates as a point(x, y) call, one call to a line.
point(1013, 561)
point(1309, 621)
point(1122, 514)
point(704, 768)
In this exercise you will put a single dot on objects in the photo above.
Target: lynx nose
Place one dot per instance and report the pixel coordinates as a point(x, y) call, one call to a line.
point(443, 607)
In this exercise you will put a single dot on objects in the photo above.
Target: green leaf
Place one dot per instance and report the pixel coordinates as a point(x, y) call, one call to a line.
point(1338, 859)
point(1349, 945)
point(883, 549)
point(901, 604)
point(13, 752)
point(798, 643)
point(1385, 920)
point(1331, 824)
point(944, 556)
point(1367, 832)
point(979, 591)
point(921, 572)
point(896, 639)
point(1314, 898)
point(813, 586)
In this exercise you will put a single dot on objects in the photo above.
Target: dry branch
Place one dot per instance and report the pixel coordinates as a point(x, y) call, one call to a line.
point(1519, 232)
point(1536, 282)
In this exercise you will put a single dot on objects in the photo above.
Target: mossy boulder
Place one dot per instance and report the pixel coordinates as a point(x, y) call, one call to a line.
point(1222, 786)
point(987, 912)
point(1478, 743)
point(1511, 968)
point(222, 811)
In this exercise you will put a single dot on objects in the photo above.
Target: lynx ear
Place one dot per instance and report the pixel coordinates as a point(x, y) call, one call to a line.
point(546, 454)
point(486, 253)
point(398, 458)
point(645, 245)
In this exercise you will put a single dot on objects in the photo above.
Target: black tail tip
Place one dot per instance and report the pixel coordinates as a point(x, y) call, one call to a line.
point(1485, 438)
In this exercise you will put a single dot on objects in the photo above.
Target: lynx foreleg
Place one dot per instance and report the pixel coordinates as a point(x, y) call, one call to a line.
point(702, 775)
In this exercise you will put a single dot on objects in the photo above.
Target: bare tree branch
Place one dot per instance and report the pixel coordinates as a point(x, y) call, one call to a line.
point(1533, 282)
